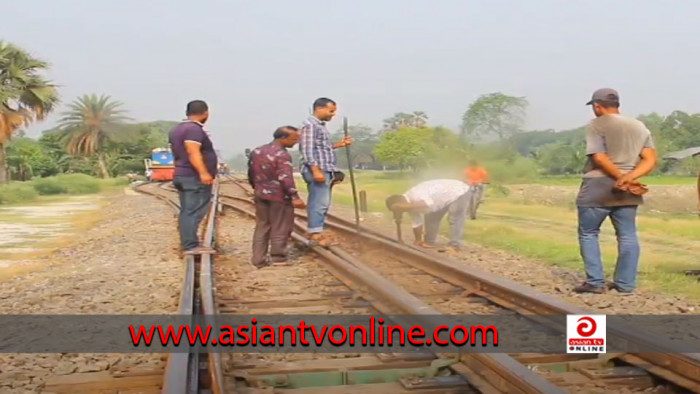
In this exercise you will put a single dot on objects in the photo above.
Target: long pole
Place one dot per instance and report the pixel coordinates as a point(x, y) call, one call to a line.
point(352, 176)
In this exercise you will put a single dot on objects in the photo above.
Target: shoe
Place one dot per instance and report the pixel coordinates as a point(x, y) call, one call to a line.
point(586, 288)
point(199, 250)
point(424, 245)
point(614, 286)
point(264, 264)
point(321, 240)
point(331, 238)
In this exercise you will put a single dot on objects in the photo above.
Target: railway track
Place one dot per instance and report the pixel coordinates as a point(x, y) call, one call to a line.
point(193, 372)
point(383, 288)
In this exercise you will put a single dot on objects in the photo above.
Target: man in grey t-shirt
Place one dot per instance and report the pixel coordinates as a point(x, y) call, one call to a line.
point(620, 151)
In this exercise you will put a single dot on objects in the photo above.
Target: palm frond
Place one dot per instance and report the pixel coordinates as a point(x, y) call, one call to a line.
point(25, 95)
point(89, 121)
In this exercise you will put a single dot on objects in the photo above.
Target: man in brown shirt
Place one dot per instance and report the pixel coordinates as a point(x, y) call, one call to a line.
point(270, 173)
point(620, 151)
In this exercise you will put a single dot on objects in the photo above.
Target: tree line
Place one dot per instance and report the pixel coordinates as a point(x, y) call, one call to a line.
point(492, 131)
point(94, 135)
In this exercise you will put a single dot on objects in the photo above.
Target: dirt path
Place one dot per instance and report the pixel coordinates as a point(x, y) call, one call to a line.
point(126, 264)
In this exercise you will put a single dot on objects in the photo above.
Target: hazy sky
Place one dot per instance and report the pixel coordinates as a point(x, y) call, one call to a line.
point(260, 64)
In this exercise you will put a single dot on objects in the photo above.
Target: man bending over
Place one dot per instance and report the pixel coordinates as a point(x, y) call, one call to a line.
point(427, 203)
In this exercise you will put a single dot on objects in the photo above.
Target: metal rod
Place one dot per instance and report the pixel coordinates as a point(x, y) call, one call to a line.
point(363, 201)
point(398, 231)
point(352, 176)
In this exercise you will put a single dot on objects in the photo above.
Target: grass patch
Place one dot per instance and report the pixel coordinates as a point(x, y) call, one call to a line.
point(49, 186)
point(41, 246)
point(575, 180)
point(17, 193)
point(548, 233)
point(661, 267)
point(71, 184)
point(55, 186)
point(113, 183)
point(67, 184)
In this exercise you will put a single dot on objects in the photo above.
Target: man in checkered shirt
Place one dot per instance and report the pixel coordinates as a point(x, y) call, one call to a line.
point(318, 165)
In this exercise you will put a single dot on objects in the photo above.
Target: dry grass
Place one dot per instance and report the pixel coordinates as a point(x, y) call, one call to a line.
point(79, 222)
point(539, 221)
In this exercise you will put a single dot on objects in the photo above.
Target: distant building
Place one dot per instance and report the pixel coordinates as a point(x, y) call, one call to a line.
point(675, 161)
point(683, 154)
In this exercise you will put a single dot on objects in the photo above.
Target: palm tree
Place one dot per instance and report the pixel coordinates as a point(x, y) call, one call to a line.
point(88, 123)
point(25, 96)
point(420, 119)
point(417, 119)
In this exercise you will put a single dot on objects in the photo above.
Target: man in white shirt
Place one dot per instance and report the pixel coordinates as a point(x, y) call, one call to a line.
point(427, 203)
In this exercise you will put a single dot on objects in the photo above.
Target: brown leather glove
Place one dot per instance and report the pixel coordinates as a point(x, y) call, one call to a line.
point(637, 188)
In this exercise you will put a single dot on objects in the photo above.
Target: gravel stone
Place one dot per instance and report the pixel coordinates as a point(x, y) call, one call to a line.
point(547, 279)
point(128, 263)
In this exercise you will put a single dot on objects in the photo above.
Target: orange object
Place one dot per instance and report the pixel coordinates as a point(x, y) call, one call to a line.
point(476, 175)
point(163, 174)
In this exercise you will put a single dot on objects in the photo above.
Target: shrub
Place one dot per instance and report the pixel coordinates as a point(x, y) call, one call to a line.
point(521, 170)
point(67, 184)
point(499, 190)
point(49, 186)
point(79, 183)
point(16, 192)
point(118, 182)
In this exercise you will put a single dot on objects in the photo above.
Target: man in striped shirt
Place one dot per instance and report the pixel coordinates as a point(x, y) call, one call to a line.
point(318, 164)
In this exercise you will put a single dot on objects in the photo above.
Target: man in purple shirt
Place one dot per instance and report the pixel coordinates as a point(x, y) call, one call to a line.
point(270, 174)
point(195, 168)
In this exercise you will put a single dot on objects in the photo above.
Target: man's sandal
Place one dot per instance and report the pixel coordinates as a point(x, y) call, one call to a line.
point(320, 240)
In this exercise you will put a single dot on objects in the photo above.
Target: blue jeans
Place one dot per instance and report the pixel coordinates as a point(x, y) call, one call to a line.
point(194, 202)
point(624, 221)
point(319, 200)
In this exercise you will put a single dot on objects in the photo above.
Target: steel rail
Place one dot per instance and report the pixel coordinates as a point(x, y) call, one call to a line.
point(682, 369)
point(206, 286)
point(181, 369)
point(182, 373)
point(501, 371)
point(178, 376)
point(666, 361)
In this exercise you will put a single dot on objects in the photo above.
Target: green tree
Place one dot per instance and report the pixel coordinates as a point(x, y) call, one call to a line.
point(528, 143)
point(446, 149)
point(362, 149)
point(677, 131)
point(54, 148)
point(561, 158)
point(407, 147)
point(26, 158)
point(652, 121)
point(400, 120)
point(494, 114)
point(89, 123)
point(25, 96)
point(680, 130)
